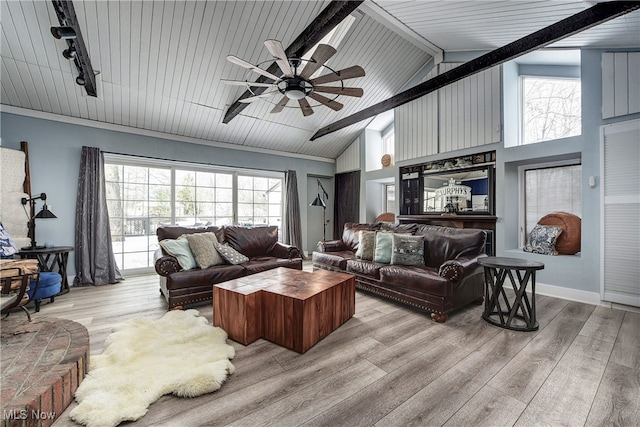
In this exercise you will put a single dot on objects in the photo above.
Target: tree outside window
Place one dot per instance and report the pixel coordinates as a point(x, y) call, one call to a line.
point(551, 108)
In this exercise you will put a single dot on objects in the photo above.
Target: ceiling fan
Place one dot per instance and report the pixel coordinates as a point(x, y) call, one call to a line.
point(296, 84)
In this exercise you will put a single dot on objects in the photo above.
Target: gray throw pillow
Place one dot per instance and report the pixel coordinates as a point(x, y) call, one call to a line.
point(407, 250)
point(204, 251)
point(181, 250)
point(367, 245)
point(230, 255)
point(542, 240)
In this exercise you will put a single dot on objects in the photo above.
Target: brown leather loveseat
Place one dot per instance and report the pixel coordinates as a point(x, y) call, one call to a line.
point(449, 279)
point(259, 244)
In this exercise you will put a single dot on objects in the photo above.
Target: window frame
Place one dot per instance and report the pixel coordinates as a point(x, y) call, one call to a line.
point(172, 166)
point(521, 100)
point(522, 231)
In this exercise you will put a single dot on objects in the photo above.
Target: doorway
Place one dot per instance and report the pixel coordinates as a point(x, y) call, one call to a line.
point(315, 213)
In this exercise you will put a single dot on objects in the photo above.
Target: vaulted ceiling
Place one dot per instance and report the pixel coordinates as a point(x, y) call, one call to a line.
point(161, 62)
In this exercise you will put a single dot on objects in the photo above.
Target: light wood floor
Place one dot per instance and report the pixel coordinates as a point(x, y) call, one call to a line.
point(390, 365)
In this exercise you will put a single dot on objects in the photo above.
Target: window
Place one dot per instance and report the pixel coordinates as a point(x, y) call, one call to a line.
point(551, 188)
point(388, 143)
point(551, 108)
point(390, 197)
point(143, 196)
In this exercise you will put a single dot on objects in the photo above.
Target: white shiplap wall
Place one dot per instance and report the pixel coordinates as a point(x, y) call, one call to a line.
point(620, 84)
point(464, 114)
point(349, 160)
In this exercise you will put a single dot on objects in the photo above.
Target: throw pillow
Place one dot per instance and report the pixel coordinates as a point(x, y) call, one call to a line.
point(7, 245)
point(180, 249)
point(367, 245)
point(407, 250)
point(230, 255)
point(542, 240)
point(384, 244)
point(202, 246)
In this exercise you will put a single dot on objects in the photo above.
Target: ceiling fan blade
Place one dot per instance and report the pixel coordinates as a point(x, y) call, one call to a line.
point(347, 73)
point(347, 91)
point(244, 83)
point(262, 95)
point(305, 107)
point(321, 55)
point(326, 101)
point(275, 48)
point(280, 106)
point(245, 64)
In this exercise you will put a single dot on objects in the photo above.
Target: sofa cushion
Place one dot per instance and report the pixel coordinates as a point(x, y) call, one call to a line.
point(445, 243)
point(334, 260)
point(361, 267)
point(263, 263)
point(350, 233)
point(180, 249)
point(407, 250)
point(230, 255)
point(203, 247)
point(398, 228)
point(175, 231)
point(367, 244)
point(207, 277)
point(417, 278)
point(251, 241)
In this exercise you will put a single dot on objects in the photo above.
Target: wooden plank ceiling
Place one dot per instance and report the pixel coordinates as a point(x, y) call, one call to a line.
point(161, 62)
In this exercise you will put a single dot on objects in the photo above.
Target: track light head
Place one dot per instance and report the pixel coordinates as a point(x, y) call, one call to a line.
point(80, 80)
point(69, 53)
point(63, 33)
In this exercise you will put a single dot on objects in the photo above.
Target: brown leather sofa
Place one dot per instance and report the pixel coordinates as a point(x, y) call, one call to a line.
point(451, 277)
point(260, 244)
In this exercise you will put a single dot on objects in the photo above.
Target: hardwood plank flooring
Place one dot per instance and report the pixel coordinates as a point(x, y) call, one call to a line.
point(392, 365)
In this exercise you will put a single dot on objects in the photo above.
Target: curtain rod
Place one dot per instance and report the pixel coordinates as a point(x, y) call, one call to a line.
point(190, 162)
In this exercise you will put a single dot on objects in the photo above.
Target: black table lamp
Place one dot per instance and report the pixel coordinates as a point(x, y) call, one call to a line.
point(44, 213)
point(320, 201)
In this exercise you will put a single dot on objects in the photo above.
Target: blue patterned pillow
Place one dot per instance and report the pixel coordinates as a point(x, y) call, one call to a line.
point(7, 245)
point(542, 240)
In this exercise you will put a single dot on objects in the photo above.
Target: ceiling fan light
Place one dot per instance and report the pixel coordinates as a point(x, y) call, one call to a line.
point(294, 94)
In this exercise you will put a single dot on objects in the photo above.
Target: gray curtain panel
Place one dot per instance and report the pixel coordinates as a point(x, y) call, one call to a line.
point(95, 263)
point(292, 229)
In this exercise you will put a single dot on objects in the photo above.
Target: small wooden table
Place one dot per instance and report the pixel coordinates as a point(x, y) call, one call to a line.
point(292, 308)
point(51, 259)
point(496, 270)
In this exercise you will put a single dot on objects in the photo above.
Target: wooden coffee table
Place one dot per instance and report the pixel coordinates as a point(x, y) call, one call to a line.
point(292, 308)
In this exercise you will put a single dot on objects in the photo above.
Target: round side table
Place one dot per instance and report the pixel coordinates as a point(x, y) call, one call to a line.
point(520, 313)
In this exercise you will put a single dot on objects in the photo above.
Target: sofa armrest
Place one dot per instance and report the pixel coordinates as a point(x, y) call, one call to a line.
point(282, 250)
point(332, 246)
point(457, 269)
point(166, 264)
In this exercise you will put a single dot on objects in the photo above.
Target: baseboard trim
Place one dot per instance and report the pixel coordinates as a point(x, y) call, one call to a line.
point(577, 295)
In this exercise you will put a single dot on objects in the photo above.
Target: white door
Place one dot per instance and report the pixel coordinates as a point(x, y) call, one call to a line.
point(620, 213)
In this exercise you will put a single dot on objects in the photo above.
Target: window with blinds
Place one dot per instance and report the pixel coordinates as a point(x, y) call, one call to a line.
point(550, 189)
point(620, 239)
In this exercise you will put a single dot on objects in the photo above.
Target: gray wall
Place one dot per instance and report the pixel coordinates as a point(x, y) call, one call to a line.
point(54, 158)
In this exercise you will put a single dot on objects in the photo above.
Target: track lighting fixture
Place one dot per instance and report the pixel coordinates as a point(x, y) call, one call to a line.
point(64, 33)
point(70, 52)
point(76, 50)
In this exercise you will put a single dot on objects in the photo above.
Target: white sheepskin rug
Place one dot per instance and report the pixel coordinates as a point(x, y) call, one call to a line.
point(145, 358)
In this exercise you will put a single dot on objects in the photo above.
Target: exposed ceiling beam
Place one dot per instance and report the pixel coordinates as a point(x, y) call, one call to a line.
point(326, 21)
point(581, 21)
point(67, 17)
